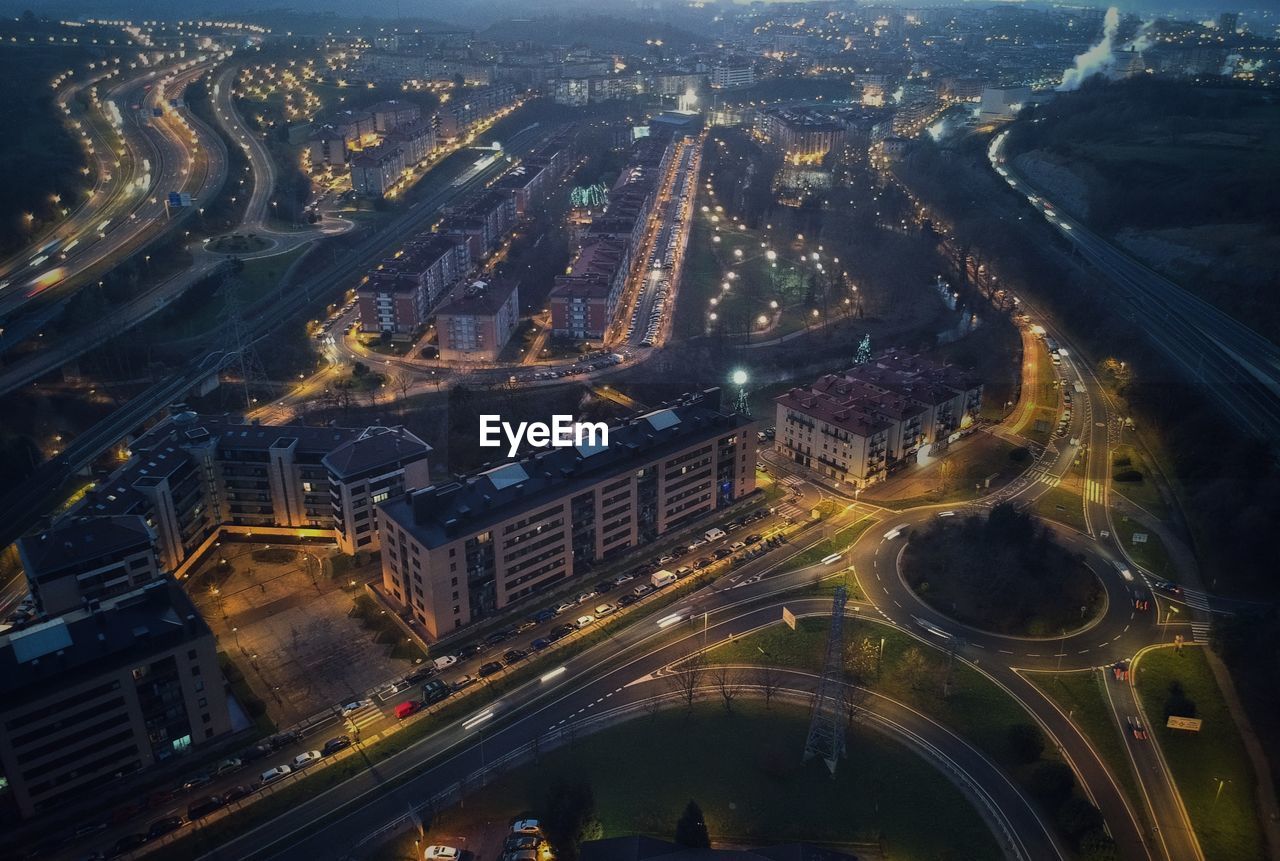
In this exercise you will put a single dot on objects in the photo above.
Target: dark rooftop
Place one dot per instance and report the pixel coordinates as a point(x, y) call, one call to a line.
point(376, 449)
point(74, 540)
point(59, 653)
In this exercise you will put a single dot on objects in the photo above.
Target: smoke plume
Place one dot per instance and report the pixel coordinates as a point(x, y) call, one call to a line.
point(1097, 59)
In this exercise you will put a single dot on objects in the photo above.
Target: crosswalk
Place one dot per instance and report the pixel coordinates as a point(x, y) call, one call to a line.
point(1200, 631)
point(792, 481)
point(364, 716)
point(1093, 490)
point(791, 510)
point(1044, 477)
point(1199, 600)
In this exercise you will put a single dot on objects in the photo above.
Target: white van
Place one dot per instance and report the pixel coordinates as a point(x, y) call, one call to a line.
point(662, 578)
point(713, 534)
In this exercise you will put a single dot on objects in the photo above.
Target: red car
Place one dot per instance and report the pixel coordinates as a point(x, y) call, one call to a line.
point(407, 708)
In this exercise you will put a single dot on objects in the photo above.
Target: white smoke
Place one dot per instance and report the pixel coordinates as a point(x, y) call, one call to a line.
point(1097, 59)
point(1142, 40)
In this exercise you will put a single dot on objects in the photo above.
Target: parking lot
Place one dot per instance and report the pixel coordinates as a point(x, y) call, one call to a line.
point(290, 631)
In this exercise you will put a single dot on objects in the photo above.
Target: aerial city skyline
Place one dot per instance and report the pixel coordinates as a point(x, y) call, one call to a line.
point(797, 430)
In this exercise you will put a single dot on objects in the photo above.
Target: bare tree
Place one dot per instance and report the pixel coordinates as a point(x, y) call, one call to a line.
point(769, 680)
point(400, 381)
point(685, 676)
point(728, 684)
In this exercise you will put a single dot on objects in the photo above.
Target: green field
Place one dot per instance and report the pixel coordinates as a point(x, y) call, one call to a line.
point(1063, 505)
point(1202, 762)
point(744, 769)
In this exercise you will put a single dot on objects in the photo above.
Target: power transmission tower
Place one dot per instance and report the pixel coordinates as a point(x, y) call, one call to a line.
point(826, 734)
point(252, 373)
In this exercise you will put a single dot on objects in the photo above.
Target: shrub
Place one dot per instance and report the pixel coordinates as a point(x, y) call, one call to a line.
point(1128, 476)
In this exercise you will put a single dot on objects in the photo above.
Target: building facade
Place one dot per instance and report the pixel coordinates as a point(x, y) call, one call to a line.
point(859, 427)
point(456, 552)
point(78, 560)
point(106, 691)
point(193, 479)
point(477, 320)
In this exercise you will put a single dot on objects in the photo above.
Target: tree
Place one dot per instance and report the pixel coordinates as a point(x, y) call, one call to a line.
point(685, 676)
point(691, 828)
point(569, 817)
point(861, 658)
point(914, 667)
point(1026, 742)
point(1052, 782)
point(769, 680)
point(728, 684)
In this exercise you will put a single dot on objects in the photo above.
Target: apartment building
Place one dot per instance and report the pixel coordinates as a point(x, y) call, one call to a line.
point(459, 116)
point(397, 296)
point(105, 691)
point(392, 114)
point(725, 76)
point(364, 472)
point(376, 169)
point(482, 222)
point(861, 426)
point(193, 479)
point(477, 320)
point(584, 299)
point(456, 552)
point(78, 560)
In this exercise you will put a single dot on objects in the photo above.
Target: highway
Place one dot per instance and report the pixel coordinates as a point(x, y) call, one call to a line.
point(1235, 365)
point(171, 152)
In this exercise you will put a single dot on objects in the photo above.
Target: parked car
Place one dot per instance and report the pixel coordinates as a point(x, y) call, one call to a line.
point(441, 853)
point(539, 644)
point(526, 826)
point(565, 607)
point(603, 610)
point(305, 758)
point(587, 596)
point(627, 600)
point(196, 781)
point(282, 739)
point(489, 669)
point(352, 707)
point(544, 616)
point(407, 708)
point(495, 638)
point(421, 674)
point(163, 826)
point(204, 806)
point(335, 744)
point(464, 682)
point(238, 792)
point(127, 844)
point(256, 752)
point(227, 766)
point(517, 842)
point(584, 621)
point(444, 662)
point(469, 651)
point(513, 655)
point(561, 631)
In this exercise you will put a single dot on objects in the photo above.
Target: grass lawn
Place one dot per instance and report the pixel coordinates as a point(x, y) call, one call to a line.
point(1150, 554)
point(1144, 492)
point(744, 770)
point(1226, 824)
point(837, 543)
point(975, 707)
point(1080, 694)
point(1063, 506)
point(262, 274)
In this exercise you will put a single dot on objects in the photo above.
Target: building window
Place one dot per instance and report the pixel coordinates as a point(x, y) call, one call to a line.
point(381, 496)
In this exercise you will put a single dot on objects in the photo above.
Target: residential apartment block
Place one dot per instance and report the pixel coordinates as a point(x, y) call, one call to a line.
point(584, 299)
point(105, 691)
point(195, 478)
point(456, 552)
point(78, 560)
point(860, 426)
point(730, 75)
point(397, 296)
point(366, 471)
point(477, 320)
